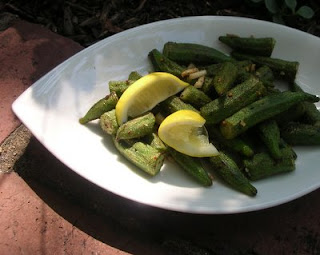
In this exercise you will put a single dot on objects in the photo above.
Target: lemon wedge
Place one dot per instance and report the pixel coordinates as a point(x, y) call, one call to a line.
point(146, 93)
point(184, 131)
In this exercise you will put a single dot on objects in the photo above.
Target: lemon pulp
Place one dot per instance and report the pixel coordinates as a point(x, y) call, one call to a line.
point(184, 131)
point(146, 93)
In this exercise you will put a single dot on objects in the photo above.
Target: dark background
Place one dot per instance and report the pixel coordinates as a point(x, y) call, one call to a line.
point(88, 21)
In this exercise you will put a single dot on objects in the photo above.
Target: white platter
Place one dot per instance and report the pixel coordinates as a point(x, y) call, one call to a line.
point(51, 107)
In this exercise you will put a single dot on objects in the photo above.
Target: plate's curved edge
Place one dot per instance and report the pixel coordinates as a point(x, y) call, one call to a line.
point(167, 207)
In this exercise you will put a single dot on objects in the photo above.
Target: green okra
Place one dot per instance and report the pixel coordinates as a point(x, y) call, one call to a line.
point(269, 133)
point(226, 168)
point(237, 144)
point(108, 122)
point(194, 96)
point(261, 110)
point(144, 156)
point(208, 88)
point(296, 133)
point(225, 77)
point(262, 165)
point(137, 127)
point(235, 99)
point(265, 74)
point(294, 113)
point(119, 86)
point(311, 114)
point(187, 53)
point(154, 140)
point(193, 166)
point(134, 76)
point(103, 105)
point(161, 63)
point(174, 103)
point(250, 45)
point(213, 69)
point(281, 68)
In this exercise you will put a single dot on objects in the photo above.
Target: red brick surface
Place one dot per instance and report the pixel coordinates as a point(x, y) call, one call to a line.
point(27, 51)
point(29, 226)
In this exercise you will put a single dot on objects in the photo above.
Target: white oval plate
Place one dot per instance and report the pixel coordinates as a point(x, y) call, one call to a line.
point(51, 107)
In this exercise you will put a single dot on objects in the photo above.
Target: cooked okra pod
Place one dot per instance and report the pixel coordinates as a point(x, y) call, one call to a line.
point(137, 127)
point(194, 96)
point(262, 165)
point(312, 114)
point(134, 76)
point(226, 168)
point(187, 53)
point(192, 166)
point(154, 140)
point(296, 133)
point(103, 105)
point(174, 103)
point(109, 123)
point(225, 77)
point(270, 135)
point(162, 63)
point(236, 144)
point(234, 100)
point(261, 110)
point(143, 155)
point(265, 74)
point(250, 45)
point(119, 87)
point(281, 68)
